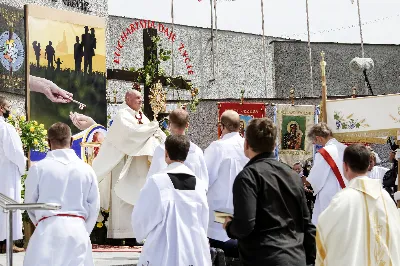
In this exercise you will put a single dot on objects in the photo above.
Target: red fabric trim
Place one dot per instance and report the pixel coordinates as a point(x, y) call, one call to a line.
point(62, 215)
point(333, 166)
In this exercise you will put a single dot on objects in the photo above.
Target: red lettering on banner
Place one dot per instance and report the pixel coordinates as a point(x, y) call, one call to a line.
point(181, 46)
point(119, 44)
point(143, 24)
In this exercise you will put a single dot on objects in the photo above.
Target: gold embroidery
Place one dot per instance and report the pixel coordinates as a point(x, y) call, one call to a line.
point(371, 136)
point(320, 248)
point(387, 226)
point(379, 252)
point(368, 225)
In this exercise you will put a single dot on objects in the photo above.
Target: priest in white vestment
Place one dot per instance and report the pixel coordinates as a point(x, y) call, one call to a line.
point(361, 226)
point(177, 124)
point(61, 237)
point(325, 181)
point(122, 163)
point(225, 158)
point(172, 213)
point(12, 167)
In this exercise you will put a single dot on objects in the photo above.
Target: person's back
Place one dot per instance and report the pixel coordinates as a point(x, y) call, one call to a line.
point(172, 213)
point(362, 218)
point(225, 159)
point(278, 235)
point(271, 219)
point(61, 237)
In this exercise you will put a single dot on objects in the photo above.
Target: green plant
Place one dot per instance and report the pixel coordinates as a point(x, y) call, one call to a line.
point(33, 135)
point(150, 74)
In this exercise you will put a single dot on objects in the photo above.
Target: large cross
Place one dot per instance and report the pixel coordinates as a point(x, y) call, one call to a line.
point(150, 49)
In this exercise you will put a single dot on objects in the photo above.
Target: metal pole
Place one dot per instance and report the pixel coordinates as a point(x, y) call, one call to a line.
point(309, 50)
point(10, 242)
point(216, 37)
point(172, 43)
point(359, 23)
point(263, 46)
point(212, 39)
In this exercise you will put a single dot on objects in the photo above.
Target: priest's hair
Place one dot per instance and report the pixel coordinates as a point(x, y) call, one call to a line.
point(230, 120)
point(261, 135)
point(319, 130)
point(59, 134)
point(357, 156)
point(177, 147)
point(179, 117)
point(3, 101)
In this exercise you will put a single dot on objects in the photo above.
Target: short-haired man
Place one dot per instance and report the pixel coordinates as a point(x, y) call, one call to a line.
point(326, 175)
point(172, 213)
point(271, 218)
point(361, 224)
point(61, 237)
point(12, 167)
point(178, 123)
point(225, 159)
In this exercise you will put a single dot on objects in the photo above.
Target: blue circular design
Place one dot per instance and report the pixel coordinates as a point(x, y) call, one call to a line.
point(12, 51)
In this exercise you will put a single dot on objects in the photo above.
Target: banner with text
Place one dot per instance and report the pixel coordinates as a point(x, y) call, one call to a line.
point(247, 111)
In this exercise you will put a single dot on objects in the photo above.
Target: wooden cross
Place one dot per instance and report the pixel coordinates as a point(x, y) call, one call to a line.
point(150, 49)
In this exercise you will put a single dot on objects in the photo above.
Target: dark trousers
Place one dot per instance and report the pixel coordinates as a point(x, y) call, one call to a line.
point(229, 247)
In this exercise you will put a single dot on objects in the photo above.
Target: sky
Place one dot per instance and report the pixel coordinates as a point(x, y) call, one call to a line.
point(330, 20)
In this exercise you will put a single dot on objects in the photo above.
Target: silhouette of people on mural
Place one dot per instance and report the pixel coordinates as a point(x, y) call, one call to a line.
point(88, 44)
point(36, 48)
point(58, 63)
point(50, 53)
point(78, 54)
point(93, 47)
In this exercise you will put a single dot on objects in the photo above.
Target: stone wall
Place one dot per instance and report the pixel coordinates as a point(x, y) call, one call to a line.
point(292, 68)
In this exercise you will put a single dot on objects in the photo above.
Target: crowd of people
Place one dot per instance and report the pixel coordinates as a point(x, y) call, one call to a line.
point(163, 191)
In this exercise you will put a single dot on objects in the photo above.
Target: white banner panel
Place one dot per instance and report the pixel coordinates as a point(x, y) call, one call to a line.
point(369, 119)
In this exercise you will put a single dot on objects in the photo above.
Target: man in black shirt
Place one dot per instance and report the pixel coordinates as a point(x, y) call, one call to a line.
point(271, 218)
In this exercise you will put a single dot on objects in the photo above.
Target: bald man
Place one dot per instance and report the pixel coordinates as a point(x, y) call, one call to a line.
point(225, 159)
point(177, 124)
point(123, 162)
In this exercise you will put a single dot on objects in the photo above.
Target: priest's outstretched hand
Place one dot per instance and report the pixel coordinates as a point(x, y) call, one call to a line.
point(81, 121)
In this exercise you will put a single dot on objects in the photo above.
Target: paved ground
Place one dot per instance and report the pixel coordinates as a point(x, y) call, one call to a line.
point(100, 259)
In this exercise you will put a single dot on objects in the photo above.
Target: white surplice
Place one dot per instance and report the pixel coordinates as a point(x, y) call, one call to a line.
point(12, 167)
point(194, 161)
point(172, 215)
point(225, 159)
point(122, 165)
point(62, 178)
point(361, 226)
point(322, 178)
point(377, 172)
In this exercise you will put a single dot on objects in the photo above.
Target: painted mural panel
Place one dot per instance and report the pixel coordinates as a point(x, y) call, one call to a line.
point(67, 66)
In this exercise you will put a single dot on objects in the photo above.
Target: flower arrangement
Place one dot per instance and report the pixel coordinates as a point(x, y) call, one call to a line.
point(33, 135)
point(102, 219)
point(348, 122)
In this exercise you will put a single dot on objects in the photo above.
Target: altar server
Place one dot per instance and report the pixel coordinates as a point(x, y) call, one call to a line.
point(374, 171)
point(61, 237)
point(172, 213)
point(361, 226)
point(326, 175)
point(122, 163)
point(225, 158)
point(12, 167)
point(177, 124)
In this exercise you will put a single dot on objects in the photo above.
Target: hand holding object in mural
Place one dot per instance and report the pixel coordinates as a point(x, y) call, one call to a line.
point(81, 121)
point(49, 89)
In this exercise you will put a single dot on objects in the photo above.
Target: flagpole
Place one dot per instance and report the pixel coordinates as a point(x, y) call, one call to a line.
point(263, 46)
point(172, 43)
point(324, 93)
point(212, 39)
point(216, 37)
point(360, 25)
point(309, 50)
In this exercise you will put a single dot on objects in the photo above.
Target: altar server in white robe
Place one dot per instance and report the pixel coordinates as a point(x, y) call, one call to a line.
point(361, 226)
point(172, 213)
point(177, 124)
point(12, 167)
point(225, 158)
point(375, 171)
point(61, 237)
point(123, 162)
point(326, 175)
